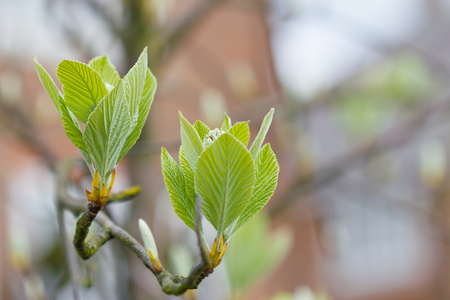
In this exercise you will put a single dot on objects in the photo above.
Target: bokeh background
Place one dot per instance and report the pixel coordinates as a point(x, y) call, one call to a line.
point(361, 131)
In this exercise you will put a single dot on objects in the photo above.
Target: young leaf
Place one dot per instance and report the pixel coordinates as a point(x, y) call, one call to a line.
point(69, 122)
point(188, 175)
point(224, 179)
point(254, 149)
point(83, 88)
point(71, 127)
point(241, 131)
point(106, 69)
point(183, 205)
point(226, 123)
point(267, 170)
point(134, 84)
point(49, 85)
point(148, 94)
point(192, 144)
point(107, 129)
point(202, 129)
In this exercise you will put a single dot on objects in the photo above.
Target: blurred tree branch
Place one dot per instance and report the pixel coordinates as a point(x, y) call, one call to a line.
point(22, 125)
point(400, 133)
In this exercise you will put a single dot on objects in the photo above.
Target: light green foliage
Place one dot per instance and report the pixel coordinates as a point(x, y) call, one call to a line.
point(226, 123)
point(145, 104)
point(106, 69)
point(82, 86)
point(241, 132)
point(216, 165)
point(254, 149)
point(106, 130)
point(254, 253)
point(224, 179)
point(182, 200)
point(113, 110)
point(266, 181)
point(192, 144)
point(202, 129)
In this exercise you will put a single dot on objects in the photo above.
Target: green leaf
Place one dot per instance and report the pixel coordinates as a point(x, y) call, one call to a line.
point(192, 144)
point(226, 123)
point(254, 253)
point(267, 170)
point(106, 69)
point(183, 205)
point(254, 149)
point(241, 131)
point(134, 83)
point(107, 129)
point(145, 104)
point(224, 179)
point(202, 129)
point(83, 88)
point(188, 175)
point(49, 85)
point(69, 122)
point(71, 127)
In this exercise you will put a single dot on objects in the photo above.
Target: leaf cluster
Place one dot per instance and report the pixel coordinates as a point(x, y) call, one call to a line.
point(112, 110)
point(234, 182)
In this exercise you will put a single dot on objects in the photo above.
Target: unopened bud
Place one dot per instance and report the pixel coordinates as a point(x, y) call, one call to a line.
point(212, 136)
point(147, 237)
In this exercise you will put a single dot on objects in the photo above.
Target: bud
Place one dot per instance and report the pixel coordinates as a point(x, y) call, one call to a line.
point(212, 136)
point(149, 244)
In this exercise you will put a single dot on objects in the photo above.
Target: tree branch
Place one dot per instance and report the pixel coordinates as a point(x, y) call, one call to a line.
point(396, 136)
point(170, 284)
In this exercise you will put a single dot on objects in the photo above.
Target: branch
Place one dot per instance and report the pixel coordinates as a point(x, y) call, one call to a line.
point(170, 284)
point(396, 136)
point(88, 248)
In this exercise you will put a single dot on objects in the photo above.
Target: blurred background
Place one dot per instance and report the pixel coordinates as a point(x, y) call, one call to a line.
point(361, 131)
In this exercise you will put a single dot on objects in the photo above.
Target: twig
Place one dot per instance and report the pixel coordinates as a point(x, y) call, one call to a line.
point(124, 195)
point(170, 284)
